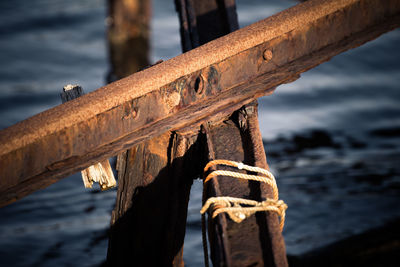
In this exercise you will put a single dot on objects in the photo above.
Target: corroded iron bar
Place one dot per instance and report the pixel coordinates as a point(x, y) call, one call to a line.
point(101, 172)
point(241, 66)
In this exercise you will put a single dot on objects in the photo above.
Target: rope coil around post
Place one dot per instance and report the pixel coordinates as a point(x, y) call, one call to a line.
point(233, 207)
point(239, 209)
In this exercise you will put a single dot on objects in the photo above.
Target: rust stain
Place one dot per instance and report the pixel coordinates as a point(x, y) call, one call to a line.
point(157, 145)
point(172, 99)
point(141, 83)
point(267, 55)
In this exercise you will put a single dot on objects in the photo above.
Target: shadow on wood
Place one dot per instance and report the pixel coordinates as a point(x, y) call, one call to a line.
point(257, 240)
point(149, 221)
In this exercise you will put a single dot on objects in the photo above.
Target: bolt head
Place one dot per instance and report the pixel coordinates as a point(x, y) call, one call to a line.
point(267, 55)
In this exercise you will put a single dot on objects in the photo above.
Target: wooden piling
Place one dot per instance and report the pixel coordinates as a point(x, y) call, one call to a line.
point(149, 220)
point(128, 34)
point(257, 241)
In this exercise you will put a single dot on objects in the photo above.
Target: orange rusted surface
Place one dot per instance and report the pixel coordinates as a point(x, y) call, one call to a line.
point(40, 150)
point(141, 83)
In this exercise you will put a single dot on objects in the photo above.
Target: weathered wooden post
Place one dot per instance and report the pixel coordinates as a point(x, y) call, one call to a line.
point(148, 223)
point(149, 220)
point(256, 241)
point(128, 35)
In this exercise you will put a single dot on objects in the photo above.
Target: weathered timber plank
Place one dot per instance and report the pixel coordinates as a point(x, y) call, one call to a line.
point(70, 137)
point(149, 218)
point(148, 225)
point(256, 241)
point(148, 222)
point(128, 35)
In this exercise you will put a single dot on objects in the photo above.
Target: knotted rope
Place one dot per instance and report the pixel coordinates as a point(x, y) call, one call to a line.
point(239, 209)
point(232, 206)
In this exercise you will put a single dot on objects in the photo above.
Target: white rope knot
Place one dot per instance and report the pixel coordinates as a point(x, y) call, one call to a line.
point(238, 209)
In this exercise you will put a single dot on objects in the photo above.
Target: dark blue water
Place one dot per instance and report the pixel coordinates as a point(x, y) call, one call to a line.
point(332, 137)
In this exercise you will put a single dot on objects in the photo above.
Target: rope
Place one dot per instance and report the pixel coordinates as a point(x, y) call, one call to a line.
point(232, 206)
point(269, 179)
point(239, 209)
point(238, 165)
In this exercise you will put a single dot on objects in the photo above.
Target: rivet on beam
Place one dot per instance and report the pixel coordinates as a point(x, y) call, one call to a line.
point(267, 55)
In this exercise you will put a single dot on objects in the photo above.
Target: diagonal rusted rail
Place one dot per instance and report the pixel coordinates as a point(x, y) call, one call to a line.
point(229, 72)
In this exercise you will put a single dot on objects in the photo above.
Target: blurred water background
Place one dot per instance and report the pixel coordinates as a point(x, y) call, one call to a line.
point(332, 137)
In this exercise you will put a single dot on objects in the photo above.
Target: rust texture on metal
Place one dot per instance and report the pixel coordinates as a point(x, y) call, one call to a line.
point(256, 241)
point(101, 172)
point(154, 183)
point(68, 138)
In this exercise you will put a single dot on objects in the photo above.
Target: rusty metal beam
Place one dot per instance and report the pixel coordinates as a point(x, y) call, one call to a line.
point(228, 73)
